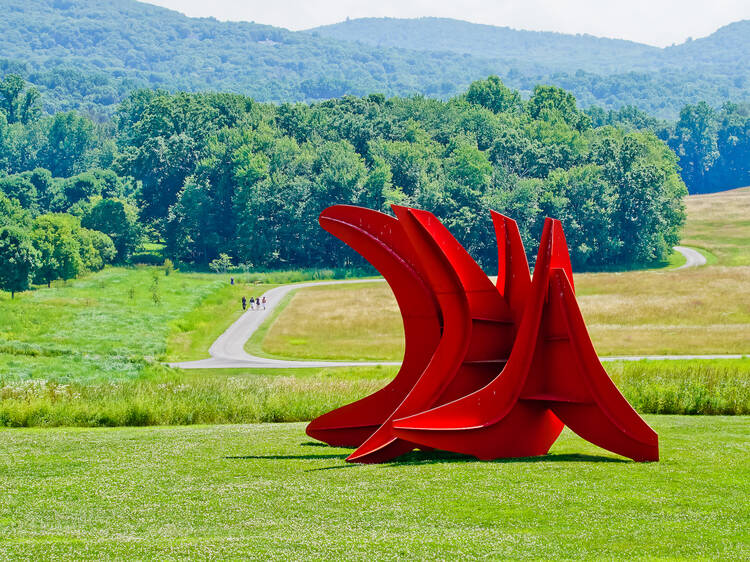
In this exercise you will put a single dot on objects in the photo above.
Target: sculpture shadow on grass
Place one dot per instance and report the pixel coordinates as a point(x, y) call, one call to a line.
point(288, 457)
point(439, 457)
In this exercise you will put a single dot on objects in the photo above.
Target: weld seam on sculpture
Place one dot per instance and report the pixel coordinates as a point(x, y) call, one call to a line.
point(492, 371)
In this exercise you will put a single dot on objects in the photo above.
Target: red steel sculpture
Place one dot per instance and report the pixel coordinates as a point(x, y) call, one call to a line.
point(489, 370)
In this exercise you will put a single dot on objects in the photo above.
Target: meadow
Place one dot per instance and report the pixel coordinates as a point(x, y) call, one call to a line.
point(267, 492)
point(119, 323)
point(719, 225)
point(663, 311)
point(104, 327)
point(162, 396)
point(207, 476)
point(88, 352)
point(703, 310)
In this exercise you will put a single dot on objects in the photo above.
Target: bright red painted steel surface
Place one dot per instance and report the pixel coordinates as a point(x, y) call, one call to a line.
point(380, 239)
point(490, 370)
point(553, 377)
point(477, 330)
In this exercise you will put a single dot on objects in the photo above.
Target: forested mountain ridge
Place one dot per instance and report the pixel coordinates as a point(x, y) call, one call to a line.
point(559, 51)
point(88, 55)
point(599, 71)
point(730, 44)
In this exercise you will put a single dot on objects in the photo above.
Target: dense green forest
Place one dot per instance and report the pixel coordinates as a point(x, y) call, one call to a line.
point(90, 54)
point(712, 145)
point(211, 174)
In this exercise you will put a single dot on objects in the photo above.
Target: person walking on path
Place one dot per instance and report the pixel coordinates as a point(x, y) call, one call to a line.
point(244, 303)
point(264, 303)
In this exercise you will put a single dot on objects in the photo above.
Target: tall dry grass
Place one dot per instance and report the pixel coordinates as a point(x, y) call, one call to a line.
point(720, 223)
point(701, 310)
point(167, 397)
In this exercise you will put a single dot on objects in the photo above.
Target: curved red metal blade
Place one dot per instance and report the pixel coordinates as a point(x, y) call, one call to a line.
point(477, 333)
point(553, 376)
point(380, 239)
point(472, 424)
point(582, 395)
point(513, 279)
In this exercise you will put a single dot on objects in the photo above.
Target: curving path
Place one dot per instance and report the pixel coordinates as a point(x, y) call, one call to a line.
point(228, 351)
point(694, 257)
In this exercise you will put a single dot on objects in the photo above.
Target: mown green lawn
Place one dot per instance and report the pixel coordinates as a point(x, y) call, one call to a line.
point(268, 492)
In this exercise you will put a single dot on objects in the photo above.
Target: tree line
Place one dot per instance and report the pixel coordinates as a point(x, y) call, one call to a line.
point(217, 174)
point(712, 145)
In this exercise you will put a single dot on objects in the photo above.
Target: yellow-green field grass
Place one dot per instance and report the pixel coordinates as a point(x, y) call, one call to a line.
point(689, 311)
point(162, 396)
point(704, 310)
point(720, 224)
point(354, 322)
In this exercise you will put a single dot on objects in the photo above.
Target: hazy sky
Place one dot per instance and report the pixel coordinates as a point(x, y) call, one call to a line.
point(657, 22)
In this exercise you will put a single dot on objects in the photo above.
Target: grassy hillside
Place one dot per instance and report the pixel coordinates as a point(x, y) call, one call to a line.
point(268, 492)
point(89, 54)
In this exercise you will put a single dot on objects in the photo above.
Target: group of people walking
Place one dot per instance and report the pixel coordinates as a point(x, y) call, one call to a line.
point(255, 303)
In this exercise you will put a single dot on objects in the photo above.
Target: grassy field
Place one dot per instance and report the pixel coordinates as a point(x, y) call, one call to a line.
point(702, 310)
point(699, 310)
point(87, 353)
point(720, 224)
point(115, 324)
point(267, 492)
point(162, 396)
point(104, 327)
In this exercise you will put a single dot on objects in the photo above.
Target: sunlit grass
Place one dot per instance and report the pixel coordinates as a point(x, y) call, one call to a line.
point(720, 223)
point(691, 311)
point(161, 396)
point(98, 326)
point(354, 322)
point(266, 492)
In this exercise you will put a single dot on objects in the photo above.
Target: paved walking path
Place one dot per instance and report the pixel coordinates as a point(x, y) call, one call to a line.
point(694, 257)
point(228, 350)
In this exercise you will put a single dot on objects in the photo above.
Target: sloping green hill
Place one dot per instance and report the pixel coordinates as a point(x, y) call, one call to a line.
point(88, 54)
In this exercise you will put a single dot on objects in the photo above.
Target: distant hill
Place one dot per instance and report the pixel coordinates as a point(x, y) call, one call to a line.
point(88, 54)
point(600, 71)
point(556, 51)
point(729, 45)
